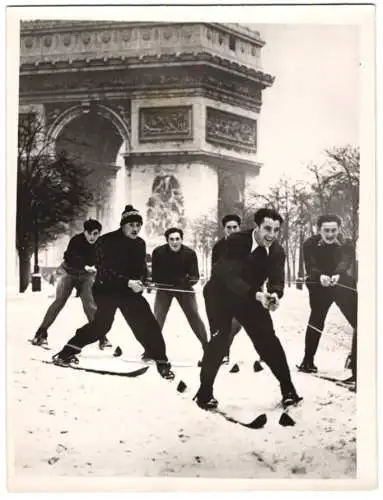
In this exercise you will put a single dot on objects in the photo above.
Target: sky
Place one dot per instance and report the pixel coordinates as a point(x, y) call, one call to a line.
point(314, 101)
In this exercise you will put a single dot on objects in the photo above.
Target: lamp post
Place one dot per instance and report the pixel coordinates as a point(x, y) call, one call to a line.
point(128, 168)
point(300, 279)
point(36, 276)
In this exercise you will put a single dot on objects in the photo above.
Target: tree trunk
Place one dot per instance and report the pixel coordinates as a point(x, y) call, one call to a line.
point(293, 257)
point(24, 270)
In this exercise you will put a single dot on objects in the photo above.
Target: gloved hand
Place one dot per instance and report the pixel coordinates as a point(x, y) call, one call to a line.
point(325, 280)
point(90, 269)
point(334, 279)
point(273, 300)
point(268, 301)
point(136, 285)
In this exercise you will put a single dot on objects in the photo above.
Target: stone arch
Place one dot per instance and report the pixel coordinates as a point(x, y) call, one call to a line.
point(103, 110)
point(95, 136)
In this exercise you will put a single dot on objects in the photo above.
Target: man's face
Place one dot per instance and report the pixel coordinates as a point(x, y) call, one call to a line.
point(131, 229)
point(231, 226)
point(329, 231)
point(175, 242)
point(92, 236)
point(267, 232)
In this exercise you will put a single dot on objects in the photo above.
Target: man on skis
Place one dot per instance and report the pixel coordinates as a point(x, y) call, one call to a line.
point(77, 271)
point(231, 224)
point(175, 265)
point(121, 271)
point(329, 260)
point(236, 290)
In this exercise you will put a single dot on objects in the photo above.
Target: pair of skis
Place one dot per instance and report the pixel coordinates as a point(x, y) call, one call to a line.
point(258, 423)
point(338, 382)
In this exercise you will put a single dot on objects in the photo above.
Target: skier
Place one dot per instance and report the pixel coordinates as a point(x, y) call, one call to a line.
point(76, 271)
point(121, 270)
point(175, 265)
point(231, 224)
point(329, 260)
point(235, 290)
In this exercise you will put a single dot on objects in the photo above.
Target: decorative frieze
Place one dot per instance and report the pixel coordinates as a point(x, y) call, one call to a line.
point(173, 123)
point(56, 40)
point(230, 130)
point(170, 82)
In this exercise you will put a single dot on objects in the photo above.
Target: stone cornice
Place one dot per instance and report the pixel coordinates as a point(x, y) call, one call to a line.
point(101, 63)
point(205, 157)
point(53, 42)
point(56, 26)
point(242, 31)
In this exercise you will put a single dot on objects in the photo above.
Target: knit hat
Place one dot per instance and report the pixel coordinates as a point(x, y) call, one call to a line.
point(130, 214)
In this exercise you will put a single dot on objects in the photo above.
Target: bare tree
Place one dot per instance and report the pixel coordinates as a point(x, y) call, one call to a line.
point(50, 193)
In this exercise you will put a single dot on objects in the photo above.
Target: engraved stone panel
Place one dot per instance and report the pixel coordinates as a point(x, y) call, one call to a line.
point(229, 130)
point(171, 123)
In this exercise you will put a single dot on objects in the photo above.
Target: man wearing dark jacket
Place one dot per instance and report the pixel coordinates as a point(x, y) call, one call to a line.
point(77, 271)
point(175, 265)
point(231, 224)
point(121, 271)
point(236, 289)
point(329, 260)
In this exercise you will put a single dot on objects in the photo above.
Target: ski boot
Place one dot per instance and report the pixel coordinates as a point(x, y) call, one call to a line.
point(40, 338)
point(65, 361)
point(103, 343)
point(307, 367)
point(146, 358)
point(350, 381)
point(205, 402)
point(163, 368)
point(290, 398)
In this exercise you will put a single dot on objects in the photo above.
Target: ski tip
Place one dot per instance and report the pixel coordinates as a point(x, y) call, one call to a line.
point(181, 387)
point(234, 368)
point(46, 347)
point(286, 420)
point(258, 423)
point(117, 352)
point(257, 367)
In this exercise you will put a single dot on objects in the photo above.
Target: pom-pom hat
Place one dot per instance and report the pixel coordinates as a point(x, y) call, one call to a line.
point(130, 214)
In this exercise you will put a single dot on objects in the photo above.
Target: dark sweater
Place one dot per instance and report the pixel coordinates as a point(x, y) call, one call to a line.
point(79, 254)
point(219, 249)
point(118, 260)
point(178, 269)
point(321, 258)
point(243, 273)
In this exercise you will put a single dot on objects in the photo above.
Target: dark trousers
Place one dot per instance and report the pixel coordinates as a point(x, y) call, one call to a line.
point(136, 312)
point(214, 315)
point(321, 299)
point(67, 282)
point(258, 325)
point(188, 304)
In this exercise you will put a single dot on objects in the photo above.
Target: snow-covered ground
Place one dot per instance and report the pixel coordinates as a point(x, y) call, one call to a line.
point(68, 423)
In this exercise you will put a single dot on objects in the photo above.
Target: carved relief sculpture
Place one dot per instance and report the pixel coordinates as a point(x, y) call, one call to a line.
point(165, 206)
point(165, 123)
point(231, 130)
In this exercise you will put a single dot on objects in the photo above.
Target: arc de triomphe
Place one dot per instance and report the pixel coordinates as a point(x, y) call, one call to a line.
point(165, 114)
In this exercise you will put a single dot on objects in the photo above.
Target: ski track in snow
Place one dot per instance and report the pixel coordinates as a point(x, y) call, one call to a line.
point(70, 423)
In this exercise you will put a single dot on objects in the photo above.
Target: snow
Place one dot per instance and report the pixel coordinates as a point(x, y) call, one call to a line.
point(67, 424)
